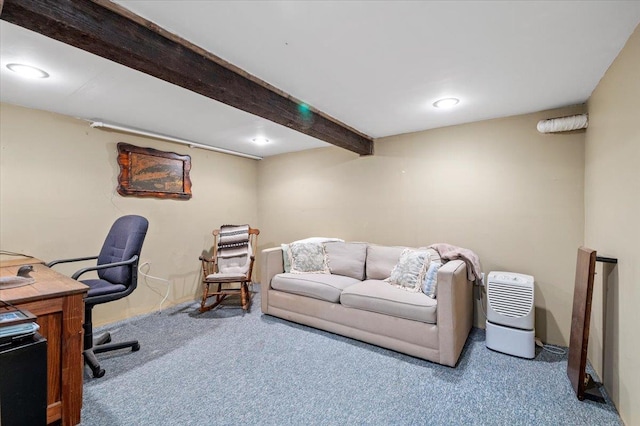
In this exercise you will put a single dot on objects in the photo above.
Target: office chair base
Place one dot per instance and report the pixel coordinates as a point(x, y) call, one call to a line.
point(90, 354)
point(105, 338)
point(133, 344)
point(91, 360)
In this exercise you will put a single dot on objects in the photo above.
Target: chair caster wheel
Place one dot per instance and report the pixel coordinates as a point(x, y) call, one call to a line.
point(135, 348)
point(98, 373)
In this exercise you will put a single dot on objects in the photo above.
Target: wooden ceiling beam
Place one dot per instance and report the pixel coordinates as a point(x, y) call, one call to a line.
point(114, 33)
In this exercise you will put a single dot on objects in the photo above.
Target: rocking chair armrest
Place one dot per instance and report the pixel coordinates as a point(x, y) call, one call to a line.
point(208, 265)
point(252, 259)
point(209, 262)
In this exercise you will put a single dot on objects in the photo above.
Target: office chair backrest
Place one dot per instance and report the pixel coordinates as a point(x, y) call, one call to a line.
point(123, 242)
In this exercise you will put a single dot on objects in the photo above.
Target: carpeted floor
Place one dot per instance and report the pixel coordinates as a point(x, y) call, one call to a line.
point(229, 368)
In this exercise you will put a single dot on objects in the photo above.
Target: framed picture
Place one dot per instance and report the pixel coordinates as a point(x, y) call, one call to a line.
point(148, 172)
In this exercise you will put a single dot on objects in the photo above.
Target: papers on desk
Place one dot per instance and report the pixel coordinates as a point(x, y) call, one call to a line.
point(16, 324)
point(17, 332)
point(11, 315)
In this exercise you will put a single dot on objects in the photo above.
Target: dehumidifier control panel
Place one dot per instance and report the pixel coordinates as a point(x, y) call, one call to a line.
point(510, 278)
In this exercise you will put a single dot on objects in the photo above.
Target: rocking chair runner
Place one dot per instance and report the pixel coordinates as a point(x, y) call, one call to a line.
point(227, 267)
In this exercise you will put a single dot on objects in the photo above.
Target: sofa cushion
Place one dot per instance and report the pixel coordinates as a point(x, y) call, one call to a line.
point(308, 258)
point(378, 296)
point(346, 259)
point(409, 272)
point(320, 286)
point(381, 260)
point(430, 283)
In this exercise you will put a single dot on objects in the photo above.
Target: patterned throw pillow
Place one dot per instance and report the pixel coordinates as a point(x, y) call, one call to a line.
point(285, 248)
point(430, 284)
point(308, 258)
point(410, 270)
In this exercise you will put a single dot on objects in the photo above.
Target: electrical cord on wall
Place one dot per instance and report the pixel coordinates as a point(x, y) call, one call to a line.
point(481, 289)
point(113, 196)
point(146, 275)
point(13, 253)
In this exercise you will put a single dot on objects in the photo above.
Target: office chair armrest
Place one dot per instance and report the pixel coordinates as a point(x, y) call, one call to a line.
point(131, 261)
point(75, 259)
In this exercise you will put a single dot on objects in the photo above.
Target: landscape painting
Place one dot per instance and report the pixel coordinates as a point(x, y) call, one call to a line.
point(148, 172)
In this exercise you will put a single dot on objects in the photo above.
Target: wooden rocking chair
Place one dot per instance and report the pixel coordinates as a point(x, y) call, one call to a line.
point(221, 280)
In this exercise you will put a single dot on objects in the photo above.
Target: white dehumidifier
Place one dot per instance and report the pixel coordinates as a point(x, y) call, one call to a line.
point(510, 324)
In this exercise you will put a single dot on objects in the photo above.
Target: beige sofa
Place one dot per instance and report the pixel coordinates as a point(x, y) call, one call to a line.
point(354, 301)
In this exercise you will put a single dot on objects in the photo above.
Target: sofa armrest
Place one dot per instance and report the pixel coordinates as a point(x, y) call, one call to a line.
point(454, 311)
point(272, 264)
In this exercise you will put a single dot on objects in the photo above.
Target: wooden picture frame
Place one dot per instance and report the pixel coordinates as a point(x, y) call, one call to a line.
point(148, 172)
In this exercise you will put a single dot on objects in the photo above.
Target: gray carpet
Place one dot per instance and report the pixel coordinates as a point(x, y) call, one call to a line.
point(226, 367)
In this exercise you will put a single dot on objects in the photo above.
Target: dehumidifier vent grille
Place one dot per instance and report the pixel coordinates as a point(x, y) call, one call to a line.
point(510, 300)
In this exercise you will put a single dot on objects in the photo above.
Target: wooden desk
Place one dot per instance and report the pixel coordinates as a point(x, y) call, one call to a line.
point(58, 302)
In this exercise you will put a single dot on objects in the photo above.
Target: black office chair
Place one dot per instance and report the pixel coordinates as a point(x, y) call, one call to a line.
point(117, 268)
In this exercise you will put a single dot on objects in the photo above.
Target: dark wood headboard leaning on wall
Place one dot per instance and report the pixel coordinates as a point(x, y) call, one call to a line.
point(582, 382)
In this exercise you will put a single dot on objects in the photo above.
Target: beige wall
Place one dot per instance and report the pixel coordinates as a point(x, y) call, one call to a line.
point(612, 227)
point(523, 201)
point(498, 187)
point(57, 191)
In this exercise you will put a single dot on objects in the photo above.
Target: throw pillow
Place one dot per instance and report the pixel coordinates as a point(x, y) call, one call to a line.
point(430, 284)
point(409, 272)
point(285, 248)
point(318, 240)
point(308, 258)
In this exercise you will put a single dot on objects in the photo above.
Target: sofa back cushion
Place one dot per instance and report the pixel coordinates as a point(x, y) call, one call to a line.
point(346, 259)
point(381, 260)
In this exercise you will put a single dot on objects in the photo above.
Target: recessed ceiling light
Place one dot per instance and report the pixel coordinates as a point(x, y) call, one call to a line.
point(446, 103)
point(260, 141)
point(28, 71)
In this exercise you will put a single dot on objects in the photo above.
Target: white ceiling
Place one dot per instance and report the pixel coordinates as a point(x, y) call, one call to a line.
point(377, 66)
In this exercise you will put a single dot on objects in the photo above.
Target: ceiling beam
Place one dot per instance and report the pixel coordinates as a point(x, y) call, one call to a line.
point(112, 32)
